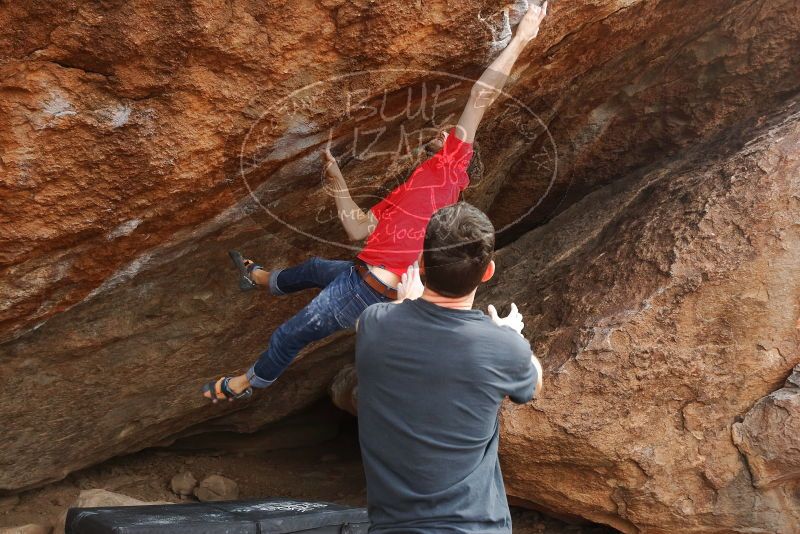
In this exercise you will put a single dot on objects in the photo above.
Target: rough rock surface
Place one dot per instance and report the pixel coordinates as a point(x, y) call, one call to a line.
point(663, 308)
point(120, 141)
point(8, 503)
point(769, 436)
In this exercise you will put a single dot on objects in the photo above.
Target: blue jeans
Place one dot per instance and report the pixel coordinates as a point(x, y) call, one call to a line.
point(344, 296)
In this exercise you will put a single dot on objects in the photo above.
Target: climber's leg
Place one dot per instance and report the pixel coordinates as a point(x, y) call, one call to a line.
point(315, 272)
point(258, 275)
point(336, 308)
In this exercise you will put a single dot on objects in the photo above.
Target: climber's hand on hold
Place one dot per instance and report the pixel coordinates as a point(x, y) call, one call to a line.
point(330, 166)
point(328, 161)
point(410, 286)
point(512, 320)
point(528, 28)
point(334, 180)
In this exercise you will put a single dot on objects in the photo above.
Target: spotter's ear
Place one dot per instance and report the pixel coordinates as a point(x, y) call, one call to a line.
point(489, 272)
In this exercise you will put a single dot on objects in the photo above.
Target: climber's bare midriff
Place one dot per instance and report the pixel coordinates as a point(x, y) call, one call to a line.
point(387, 277)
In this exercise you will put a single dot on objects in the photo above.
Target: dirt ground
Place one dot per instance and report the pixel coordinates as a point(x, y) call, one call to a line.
point(326, 471)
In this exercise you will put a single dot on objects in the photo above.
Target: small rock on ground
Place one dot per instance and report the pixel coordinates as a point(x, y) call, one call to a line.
point(183, 483)
point(217, 488)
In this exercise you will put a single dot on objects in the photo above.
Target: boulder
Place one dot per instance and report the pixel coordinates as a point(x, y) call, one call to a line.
point(217, 488)
point(663, 308)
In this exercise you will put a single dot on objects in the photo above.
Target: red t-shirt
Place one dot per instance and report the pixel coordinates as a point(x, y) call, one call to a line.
point(404, 214)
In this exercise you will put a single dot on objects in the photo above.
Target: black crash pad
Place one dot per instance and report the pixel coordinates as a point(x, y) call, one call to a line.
point(278, 516)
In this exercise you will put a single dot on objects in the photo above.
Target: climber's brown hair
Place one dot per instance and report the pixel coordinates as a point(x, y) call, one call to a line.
point(459, 244)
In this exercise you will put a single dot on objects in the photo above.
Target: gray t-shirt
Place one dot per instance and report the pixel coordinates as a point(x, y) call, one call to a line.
point(431, 381)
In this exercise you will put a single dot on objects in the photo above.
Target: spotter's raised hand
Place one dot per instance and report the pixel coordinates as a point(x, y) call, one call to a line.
point(513, 319)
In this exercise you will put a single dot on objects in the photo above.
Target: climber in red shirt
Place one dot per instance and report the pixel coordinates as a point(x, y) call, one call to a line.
point(394, 229)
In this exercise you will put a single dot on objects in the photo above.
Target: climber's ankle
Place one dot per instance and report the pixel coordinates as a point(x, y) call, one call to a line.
point(239, 383)
point(260, 277)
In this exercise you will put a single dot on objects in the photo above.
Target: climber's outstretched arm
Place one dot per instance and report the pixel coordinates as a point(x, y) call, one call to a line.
point(357, 223)
point(490, 85)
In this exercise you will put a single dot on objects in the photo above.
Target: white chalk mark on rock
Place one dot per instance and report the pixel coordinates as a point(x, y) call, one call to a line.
point(500, 23)
point(123, 275)
point(58, 106)
point(123, 229)
point(120, 116)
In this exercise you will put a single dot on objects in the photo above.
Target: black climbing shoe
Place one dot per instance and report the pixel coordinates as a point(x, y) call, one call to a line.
point(224, 390)
point(246, 282)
